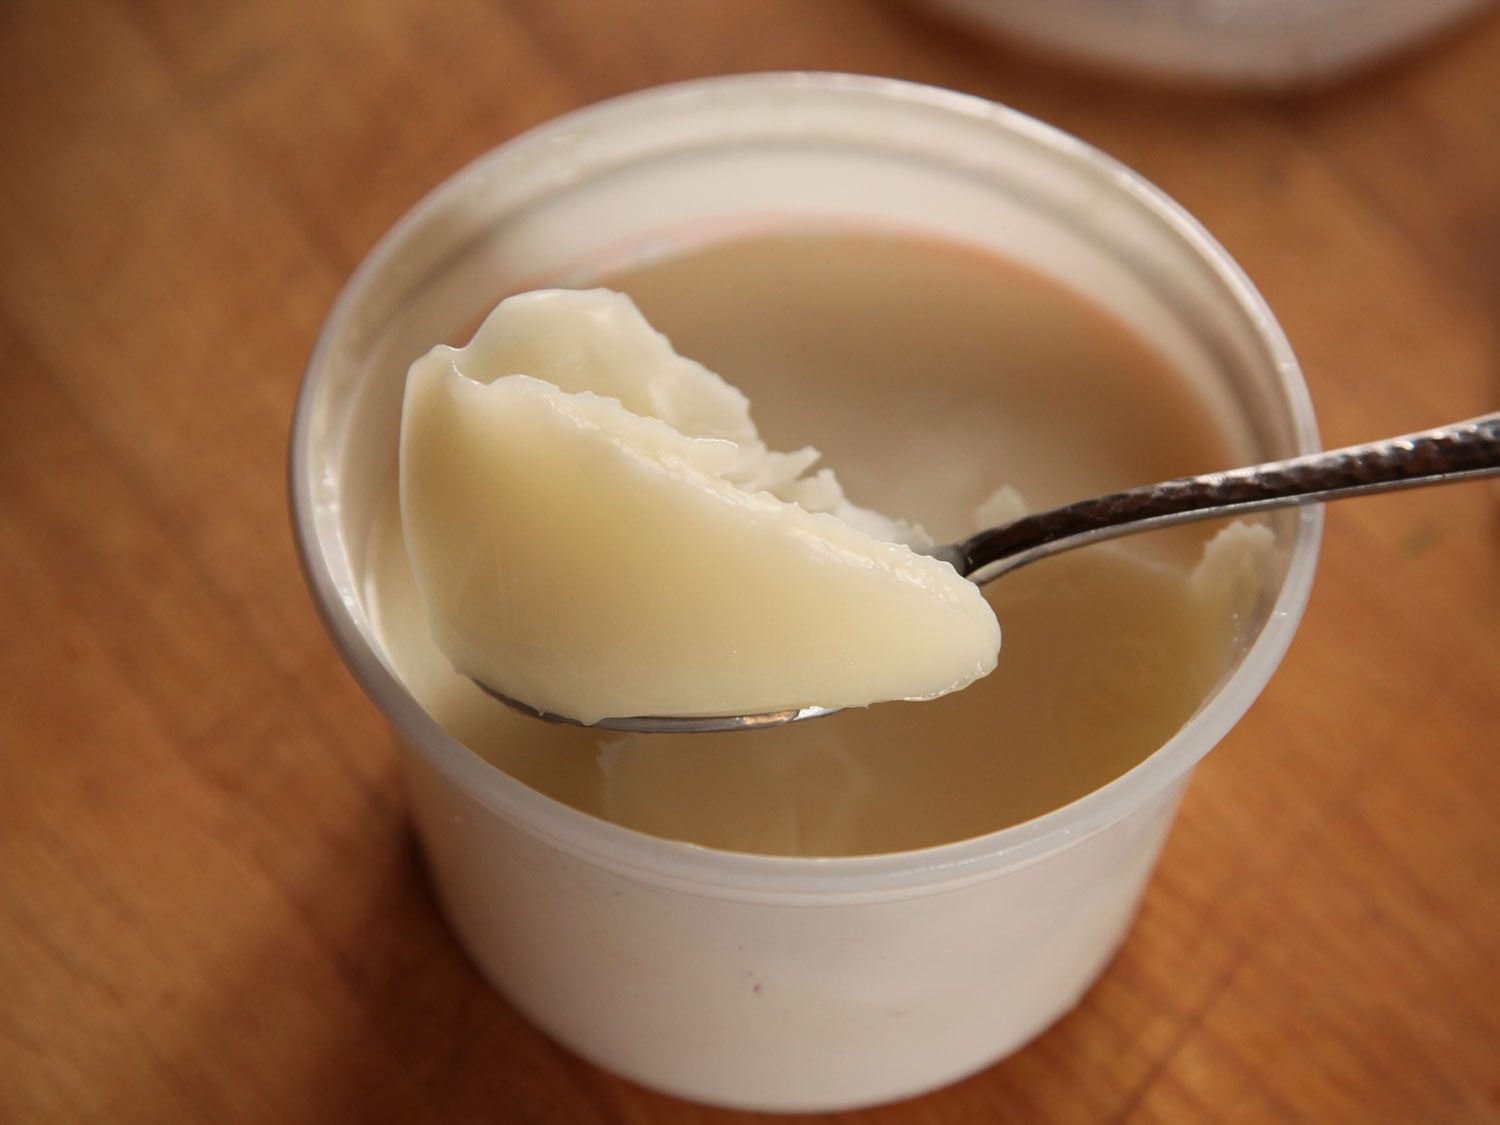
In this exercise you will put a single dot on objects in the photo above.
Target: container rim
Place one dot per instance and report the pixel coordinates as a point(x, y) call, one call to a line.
point(701, 870)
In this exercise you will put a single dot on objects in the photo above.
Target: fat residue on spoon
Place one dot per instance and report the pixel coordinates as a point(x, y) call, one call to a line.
point(597, 531)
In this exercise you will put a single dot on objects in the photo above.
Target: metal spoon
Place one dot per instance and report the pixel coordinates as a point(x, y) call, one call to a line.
point(1440, 456)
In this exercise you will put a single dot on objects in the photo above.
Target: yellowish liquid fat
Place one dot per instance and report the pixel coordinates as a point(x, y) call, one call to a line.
point(929, 375)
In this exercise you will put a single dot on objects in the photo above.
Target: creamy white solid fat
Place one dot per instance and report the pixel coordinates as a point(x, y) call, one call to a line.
point(597, 530)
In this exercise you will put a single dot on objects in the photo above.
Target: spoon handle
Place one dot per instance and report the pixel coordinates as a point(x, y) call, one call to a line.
point(1448, 453)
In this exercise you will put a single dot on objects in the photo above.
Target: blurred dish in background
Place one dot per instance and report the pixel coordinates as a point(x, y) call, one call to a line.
point(1271, 44)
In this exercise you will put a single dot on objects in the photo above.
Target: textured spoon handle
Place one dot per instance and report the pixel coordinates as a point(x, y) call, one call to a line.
point(1449, 453)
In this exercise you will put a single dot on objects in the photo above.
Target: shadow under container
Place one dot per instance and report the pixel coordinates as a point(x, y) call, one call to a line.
point(751, 981)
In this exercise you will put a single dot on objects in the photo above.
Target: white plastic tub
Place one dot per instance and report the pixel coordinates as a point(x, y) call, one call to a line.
point(755, 981)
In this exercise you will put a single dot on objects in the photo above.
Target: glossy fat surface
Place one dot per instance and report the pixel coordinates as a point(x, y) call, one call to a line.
point(1107, 651)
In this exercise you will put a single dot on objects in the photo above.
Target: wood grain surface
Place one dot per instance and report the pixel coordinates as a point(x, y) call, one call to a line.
point(211, 908)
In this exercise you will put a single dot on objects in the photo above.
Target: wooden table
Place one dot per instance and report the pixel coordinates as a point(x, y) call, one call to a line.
point(211, 908)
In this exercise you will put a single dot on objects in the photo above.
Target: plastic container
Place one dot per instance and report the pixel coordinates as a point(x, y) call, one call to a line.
point(1271, 44)
point(754, 981)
